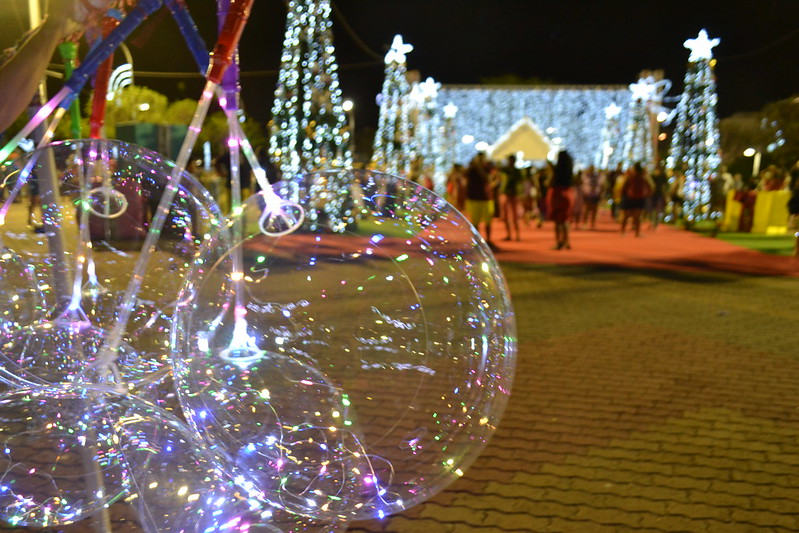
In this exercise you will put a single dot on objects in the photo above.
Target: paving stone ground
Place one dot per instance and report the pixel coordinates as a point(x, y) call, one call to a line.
point(645, 399)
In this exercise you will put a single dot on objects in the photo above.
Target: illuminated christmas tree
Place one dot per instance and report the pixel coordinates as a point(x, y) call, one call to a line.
point(646, 111)
point(427, 144)
point(392, 151)
point(308, 128)
point(638, 137)
point(609, 154)
point(695, 144)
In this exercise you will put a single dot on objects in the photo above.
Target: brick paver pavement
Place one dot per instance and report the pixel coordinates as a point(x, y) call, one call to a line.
point(653, 393)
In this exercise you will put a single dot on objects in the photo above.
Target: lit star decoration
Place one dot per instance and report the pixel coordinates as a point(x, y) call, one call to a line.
point(612, 111)
point(398, 51)
point(701, 47)
point(643, 89)
point(428, 89)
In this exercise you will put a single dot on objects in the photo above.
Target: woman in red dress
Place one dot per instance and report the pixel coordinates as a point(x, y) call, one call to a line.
point(559, 199)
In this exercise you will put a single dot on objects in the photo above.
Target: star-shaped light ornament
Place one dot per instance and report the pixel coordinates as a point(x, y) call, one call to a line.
point(643, 90)
point(429, 88)
point(701, 47)
point(398, 50)
point(612, 111)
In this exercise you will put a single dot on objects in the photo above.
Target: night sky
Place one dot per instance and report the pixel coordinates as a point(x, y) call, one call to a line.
point(466, 41)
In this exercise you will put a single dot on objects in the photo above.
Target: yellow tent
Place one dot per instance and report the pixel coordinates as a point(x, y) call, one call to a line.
point(523, 137)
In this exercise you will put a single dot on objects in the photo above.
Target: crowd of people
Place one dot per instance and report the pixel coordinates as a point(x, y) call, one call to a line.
point(571, 198)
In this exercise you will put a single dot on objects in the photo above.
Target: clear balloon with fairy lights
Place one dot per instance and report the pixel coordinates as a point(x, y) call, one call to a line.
point(58, 457)
point(98, 197)
point(21, 302)
point(179, 484)
point(68, 452)
point(354, 349)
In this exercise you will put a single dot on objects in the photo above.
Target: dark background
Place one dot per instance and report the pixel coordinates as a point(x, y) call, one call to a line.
point(466, 41)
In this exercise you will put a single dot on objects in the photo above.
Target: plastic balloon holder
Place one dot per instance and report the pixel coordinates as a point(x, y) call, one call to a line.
point(357, 365)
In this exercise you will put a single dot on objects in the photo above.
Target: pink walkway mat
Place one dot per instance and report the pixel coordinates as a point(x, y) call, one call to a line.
point(666, 247)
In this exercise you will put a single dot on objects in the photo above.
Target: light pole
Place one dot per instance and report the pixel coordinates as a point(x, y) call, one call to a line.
point(34, 19)
point(755, 155)
point(347, 106)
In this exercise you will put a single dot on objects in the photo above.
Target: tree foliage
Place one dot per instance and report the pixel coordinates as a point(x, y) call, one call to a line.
point(134, 104)
point(741, 131)
point(781, 122)
point(773, 131)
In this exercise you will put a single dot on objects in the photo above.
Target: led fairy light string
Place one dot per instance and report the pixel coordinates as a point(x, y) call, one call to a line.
point(220, 58)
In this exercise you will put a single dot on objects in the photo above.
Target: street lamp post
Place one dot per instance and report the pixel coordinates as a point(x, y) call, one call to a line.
point(347, 106)
point(755, 155)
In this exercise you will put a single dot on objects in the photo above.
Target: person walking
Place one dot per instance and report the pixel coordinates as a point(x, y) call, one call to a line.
point(456, 187)
point(511, 190)
point(636, 189)
point(656, 203)
point(559, 200)
point(479, 201)
point(543, 178)
point(677, 193)
point(592, 185)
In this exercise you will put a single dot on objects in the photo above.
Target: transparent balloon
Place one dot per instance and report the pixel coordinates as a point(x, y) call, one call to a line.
point(71, 452)
point(20, 300)
point(355, 365)
point(59, 460)
point(178, 484)
point(98, 197)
